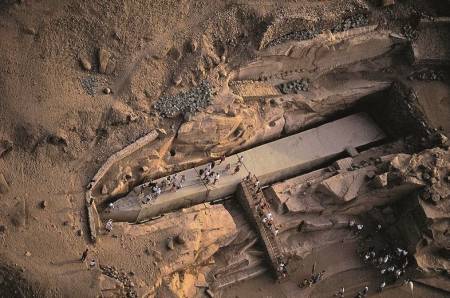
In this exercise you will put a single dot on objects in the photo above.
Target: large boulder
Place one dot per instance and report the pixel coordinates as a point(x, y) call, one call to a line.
point(345, 186)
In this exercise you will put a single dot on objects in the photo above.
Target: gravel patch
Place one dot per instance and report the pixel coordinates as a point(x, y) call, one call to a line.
point(190, 101)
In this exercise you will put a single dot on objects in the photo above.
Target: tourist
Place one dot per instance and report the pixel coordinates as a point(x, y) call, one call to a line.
point(111, 205)
point(213, 164)
point(351, 223)
point(109, 225)
point(340, 293)
point(382, 286)
point(183, 179)
point(84, 255)
point(222, 158)
point(147, 199)
point(240, 160)
point(365, 290)
point(237, 169)
point(92, 264)
point(227, 167)
point(216, 178)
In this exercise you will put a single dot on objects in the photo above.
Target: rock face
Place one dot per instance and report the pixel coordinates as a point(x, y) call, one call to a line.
point(204, 229)
point(424, 218)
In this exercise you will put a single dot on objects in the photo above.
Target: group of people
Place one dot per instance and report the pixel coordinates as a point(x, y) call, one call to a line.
point(392, 263)
point(170, 183)
point(282, 268)
point(262, 207)
point(208, 175)
point(314, 278)
point(360, 294)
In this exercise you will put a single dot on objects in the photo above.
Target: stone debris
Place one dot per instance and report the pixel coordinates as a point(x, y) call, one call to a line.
point(44, 204)
point(28, 254)
point(4, 186)
point(345, 186)
point(296, 35)
point(185, 102)
point(387, 2)
point(294, 86)
point(85, 64)
point(89, 85)
point(351, 151)
point(409, 32)
point(2, 229)
point(209, 293)
point(103, 59)
point(380, 181)
point(170, 243)
point(121, 114)
point(106, 90)
point(5, 147)
point(343, 164)
point(104, 190)
point(354, 21)
point(129, 286)
point(181, 238)
point(427, 75)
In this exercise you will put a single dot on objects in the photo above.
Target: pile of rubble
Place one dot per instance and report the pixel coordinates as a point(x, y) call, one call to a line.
point(122, 277)
point(427, 75)
point(296, 35)
point(354, 21)
point(185, 102)
point(294, 86)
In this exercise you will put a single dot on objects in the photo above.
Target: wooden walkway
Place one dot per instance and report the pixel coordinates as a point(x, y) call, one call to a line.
point(249, 198)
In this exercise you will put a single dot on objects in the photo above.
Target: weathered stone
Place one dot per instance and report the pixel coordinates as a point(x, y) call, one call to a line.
point(193, 45)
point(44, 204)
point(343, 164)
point(106, 90)
point(381, 181)
point(181, 238)
point(4, 186)
point(2, 228)
point(387, 2)
point(157, 255)
point(209, 293)
point(170, 244)
point(120, 114)
point(343, 187)
point(351, 151)
point(28, 254)
point(104, 189)
point(5, 147)
point(103, 58)
point(85, 64)
point(177, 80)
point(80, 233)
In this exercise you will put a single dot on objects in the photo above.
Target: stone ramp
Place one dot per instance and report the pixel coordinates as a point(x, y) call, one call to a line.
point(271, 162)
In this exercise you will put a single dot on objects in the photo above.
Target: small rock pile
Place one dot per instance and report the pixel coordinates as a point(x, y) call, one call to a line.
point(185, 102)
point(409, 32)
point(89, 85)
point(122, 277)
point(294, 86)
point(297, 35)
point(427, 75)
point(354, 21)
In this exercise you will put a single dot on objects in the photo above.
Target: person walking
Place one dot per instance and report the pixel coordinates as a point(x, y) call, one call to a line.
point(84, 255)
